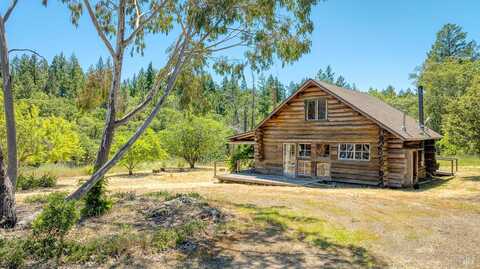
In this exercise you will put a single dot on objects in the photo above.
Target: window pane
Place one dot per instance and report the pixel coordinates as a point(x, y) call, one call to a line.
point(350, 155)
point(366, 156)
point(343, 147)
point(350, 147)
point(358, 147)
point(343, 155)
point(366, 147)
point(322, 109)
point(358, 155)
point(311, 110)
point(308, 150)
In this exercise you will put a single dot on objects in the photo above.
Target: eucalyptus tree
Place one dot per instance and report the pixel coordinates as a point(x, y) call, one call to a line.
point(7, 177)
point(266, 31)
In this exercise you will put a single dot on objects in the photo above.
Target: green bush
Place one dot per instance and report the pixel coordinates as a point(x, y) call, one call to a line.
point(243, 152)
point(52, 225)
point(164, 239)
point(167, 238)
point(97, 201)
point(12, 253)
point(41, 198)
point(29, 182)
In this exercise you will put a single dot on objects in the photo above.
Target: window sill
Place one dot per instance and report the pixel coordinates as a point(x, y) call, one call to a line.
point(316, 120)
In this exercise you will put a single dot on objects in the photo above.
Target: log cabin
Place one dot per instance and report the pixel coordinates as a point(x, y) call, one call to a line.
point(329, 133)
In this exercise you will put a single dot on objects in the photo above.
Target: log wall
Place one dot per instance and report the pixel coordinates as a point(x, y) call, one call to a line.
point(343, 125)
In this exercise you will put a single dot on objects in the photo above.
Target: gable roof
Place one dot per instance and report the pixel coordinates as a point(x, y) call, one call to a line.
point(369, 106)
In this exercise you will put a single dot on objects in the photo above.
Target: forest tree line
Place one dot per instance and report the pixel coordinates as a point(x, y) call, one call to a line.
point(61, 107)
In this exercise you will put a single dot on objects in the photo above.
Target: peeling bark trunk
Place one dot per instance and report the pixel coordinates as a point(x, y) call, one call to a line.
point(8, 103)
point(8, 217)
point(98, 175)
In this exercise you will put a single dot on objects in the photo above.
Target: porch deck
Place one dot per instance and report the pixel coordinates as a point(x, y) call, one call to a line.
point(270, 180)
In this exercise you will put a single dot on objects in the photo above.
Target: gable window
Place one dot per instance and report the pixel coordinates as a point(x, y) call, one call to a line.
point(316, 109)
point(304, 150)
point(359, 152)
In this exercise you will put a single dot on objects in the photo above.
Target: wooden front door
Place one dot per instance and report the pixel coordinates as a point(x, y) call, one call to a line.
point(289, 159)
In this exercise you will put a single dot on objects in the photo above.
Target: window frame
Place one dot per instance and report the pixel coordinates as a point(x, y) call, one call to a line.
point(316, 101)
point(300, 150)
point(353, 152)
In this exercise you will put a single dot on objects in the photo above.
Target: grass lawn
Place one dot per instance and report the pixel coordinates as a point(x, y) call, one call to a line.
point(437, 226)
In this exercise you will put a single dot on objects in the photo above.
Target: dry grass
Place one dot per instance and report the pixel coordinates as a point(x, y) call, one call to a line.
point(434, 227)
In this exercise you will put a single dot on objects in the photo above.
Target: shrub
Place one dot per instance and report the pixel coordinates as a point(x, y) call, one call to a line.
point(47, 181)
point(241, 153)
point(12, 253)
point(41, 198)
point(52, 225)
point(164, 239)
point(167, 238)
point(97, 202)
point(31, 182)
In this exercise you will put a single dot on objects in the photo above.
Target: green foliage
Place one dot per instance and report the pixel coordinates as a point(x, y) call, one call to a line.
point(167, 238)
point(97, 201)
point(194, 139)
point(462, 124)
point(147, 148)
point(52, 225)
point(451, 43)
point(28, 182)
point(39, 139)
point(12, 253)
point(406, 101)
point(243, 152)
point(444, 83)
point(42, 198)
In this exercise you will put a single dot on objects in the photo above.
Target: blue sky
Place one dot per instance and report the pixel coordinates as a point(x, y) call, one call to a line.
point(373, 43)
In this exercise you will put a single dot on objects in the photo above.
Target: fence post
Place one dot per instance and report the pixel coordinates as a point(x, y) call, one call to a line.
point(451, 162)
point(214, 168)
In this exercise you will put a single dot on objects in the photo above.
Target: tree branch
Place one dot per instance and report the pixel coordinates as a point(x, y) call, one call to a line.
point(29, 50)
point(9, 10)
point(98, 28)
point(142, 24)
point(98, 175)
point(153, 91)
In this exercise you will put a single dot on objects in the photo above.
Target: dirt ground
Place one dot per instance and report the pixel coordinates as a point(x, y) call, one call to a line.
point(437, 226)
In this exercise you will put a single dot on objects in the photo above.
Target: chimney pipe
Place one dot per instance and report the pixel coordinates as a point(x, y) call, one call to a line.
point(404, 127)
point(421, 123)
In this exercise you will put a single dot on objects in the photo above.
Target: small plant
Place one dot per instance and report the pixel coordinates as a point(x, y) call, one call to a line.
point(96, 201)
point(29, 182)
point(164, 239)
point(167, 238)
point(127, 195)
point(47, 181)
point(12, 253)
point(41, 198)
point(242, 153)
point(52, 225)
point(181, 164)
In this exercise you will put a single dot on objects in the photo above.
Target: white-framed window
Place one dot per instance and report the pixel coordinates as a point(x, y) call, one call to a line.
point(350, 151)
point(316, 109)
point(304, 150)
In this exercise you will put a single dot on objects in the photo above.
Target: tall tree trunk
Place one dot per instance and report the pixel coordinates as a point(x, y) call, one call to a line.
point(8, 217)
point(96, 201)
point(9, 109)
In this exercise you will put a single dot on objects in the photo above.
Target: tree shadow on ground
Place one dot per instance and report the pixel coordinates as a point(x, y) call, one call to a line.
point(273, 245)
point(471, 178)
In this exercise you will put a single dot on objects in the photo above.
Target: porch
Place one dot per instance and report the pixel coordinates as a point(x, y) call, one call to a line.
point(269, 180)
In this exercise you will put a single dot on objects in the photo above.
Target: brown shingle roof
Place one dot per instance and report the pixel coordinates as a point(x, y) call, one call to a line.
point(380, 112)
point(371, 107)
